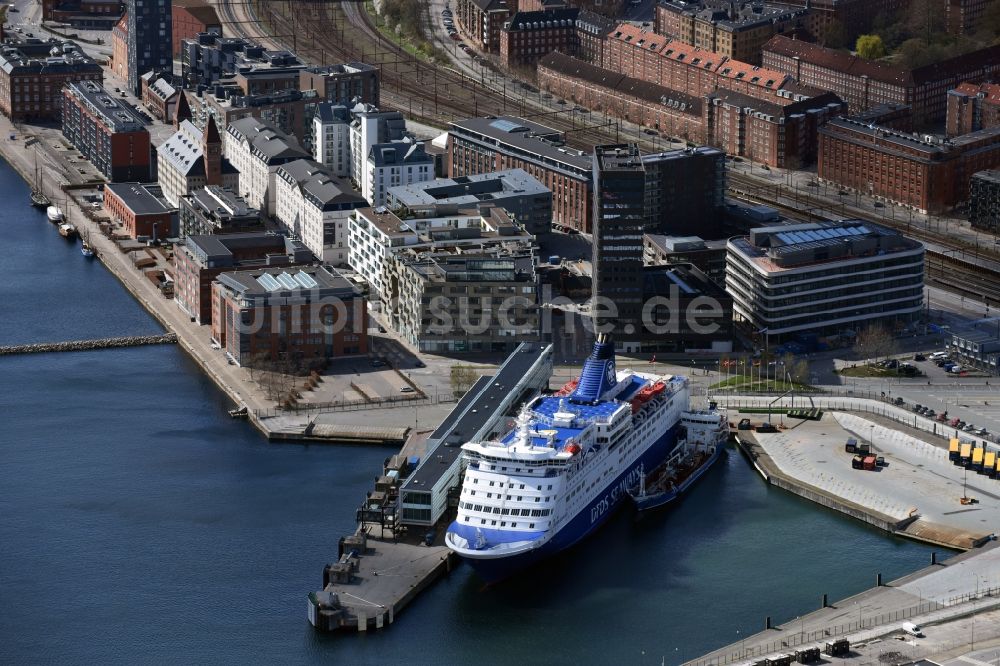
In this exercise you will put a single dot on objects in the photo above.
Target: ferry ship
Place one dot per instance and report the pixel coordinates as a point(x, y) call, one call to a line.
point(566, 465)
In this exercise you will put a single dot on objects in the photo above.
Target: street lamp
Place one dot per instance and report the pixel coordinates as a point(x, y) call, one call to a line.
point(871, 437)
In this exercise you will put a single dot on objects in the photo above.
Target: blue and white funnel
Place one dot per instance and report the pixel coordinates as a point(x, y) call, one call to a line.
point(598, 376)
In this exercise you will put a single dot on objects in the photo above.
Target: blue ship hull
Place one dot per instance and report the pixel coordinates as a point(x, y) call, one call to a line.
point(586, 522)
point(658, 500)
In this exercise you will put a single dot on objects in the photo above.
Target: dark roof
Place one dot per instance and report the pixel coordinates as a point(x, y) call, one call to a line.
point(140, 198)
point(594, 23)
point(529, 140)
point(840, 61)
point(528, 20)
point(476, 408)
point(746, 101)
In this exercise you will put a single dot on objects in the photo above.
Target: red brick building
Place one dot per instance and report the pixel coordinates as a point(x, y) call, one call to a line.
point(82, 13)
point(141, 209)
point(529, 36)
point(929, 176)
point(107, 132)
point(304, 316)
point(190, 17)
point(32, 78)
point(972, 107)
point(863, 84)
point(669, 112)
point(487, 145)
point(201, 259)
point(482, 20)
point(778, 128)
point(119, 49)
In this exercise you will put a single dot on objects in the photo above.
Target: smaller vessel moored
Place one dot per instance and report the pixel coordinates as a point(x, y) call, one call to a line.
point(86, 250)
point(67, 231)
point(705, 434)
point(39, 200)
point(54, 214)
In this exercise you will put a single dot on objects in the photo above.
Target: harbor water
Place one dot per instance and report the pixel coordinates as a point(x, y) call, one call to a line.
point(140, 524)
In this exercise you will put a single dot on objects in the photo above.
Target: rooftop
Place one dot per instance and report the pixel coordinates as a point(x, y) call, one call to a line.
point(526, 139)
point(570, 66)
point(231, 249)
point(398, 153)
point(550, 18)
point(320, 187)
point(266, 142)
point(109, 110)
point(220, 203)
point(284, 281)
point(735, 15)
point(931, 147)
point(474, 189)
point(784, 247)
point(30, 54)
point(140, 198)
point(622, 157)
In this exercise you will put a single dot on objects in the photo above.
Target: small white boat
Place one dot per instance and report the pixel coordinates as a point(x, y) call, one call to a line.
point(67, 230)
point(54, 214)
point(86, 250)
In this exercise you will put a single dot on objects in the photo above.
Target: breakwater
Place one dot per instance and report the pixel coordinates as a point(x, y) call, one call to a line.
point(86, 345)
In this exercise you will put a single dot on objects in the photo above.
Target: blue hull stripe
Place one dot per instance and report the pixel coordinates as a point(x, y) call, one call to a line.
point(584, 523)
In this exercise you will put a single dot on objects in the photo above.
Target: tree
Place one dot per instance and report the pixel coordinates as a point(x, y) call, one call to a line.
point(462, 379)
point(834, 36)
point(875, 342)
point(870, 47)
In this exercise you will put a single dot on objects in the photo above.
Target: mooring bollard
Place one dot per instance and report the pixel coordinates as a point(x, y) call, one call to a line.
point(767, 623)
point(825, 604)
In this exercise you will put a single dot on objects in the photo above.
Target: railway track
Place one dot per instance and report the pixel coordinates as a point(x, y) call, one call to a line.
point(327, 32)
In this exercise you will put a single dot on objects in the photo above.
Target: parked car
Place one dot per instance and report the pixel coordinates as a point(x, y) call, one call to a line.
point(982, 432)
point(919, 357)
point(930, 413)
point(955, 369)
point(969, 428)
point(406, 389)
point(954, 422)
point(917, 407)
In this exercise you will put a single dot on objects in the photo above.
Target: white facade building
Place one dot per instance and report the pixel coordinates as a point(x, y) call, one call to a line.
point(332, 138)
point(392, 165)
point(257, 149)
point(313, 205)
point(375, 234)
point(824, 277)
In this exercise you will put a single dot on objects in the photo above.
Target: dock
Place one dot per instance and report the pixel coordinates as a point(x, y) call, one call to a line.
point(917, 493)
point(374, 578)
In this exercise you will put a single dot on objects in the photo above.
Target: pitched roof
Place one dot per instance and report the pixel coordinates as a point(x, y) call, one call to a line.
point(650, 92)
point(840, 61)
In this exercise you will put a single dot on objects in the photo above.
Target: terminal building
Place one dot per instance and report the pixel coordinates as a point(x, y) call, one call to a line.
point(824, 277)
point(484, 412)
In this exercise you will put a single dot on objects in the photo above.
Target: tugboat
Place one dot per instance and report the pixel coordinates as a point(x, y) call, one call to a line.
point(706, 432)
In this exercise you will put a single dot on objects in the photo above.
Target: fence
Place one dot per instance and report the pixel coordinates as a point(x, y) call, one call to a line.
point(354, 405)
point(819, 637)
point(883, 407)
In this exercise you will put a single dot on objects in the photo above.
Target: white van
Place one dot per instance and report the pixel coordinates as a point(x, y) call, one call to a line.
point(912, 629)
point(937, 356)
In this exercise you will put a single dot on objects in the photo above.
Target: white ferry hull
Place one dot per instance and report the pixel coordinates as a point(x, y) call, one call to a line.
point(495, 566)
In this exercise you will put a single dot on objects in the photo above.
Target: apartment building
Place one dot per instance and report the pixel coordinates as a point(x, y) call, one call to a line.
point(257, 149)
point(107, 132)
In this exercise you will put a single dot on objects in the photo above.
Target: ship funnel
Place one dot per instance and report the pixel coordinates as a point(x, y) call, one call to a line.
point(598, 376)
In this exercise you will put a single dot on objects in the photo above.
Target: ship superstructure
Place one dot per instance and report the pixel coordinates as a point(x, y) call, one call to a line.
point(565, 466)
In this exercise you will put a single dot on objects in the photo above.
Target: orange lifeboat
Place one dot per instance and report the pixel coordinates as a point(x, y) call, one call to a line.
point(567, 388)
point(645, 394)
point(573, 449)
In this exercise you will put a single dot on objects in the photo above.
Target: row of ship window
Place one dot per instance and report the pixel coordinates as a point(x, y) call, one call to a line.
point(482, 521)
point(508, 497)
point(509, 485)
point(468, 506)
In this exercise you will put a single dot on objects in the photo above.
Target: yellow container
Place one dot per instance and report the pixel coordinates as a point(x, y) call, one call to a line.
point(977, 457)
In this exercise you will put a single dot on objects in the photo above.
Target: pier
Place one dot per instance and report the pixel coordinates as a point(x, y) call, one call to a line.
point(374, 578)
point(86, 345)
point(916, 493)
